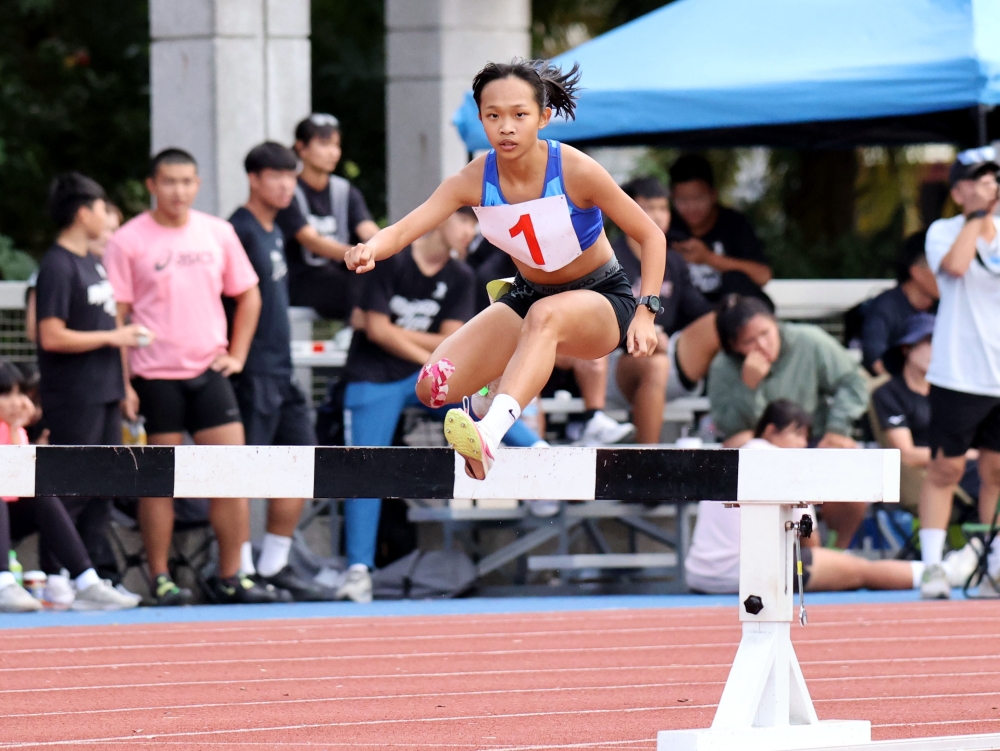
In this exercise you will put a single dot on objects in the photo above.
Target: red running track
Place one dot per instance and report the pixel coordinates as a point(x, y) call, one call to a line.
point(570, 680)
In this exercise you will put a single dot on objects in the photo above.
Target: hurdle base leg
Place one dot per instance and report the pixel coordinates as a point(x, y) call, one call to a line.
point(826, 734)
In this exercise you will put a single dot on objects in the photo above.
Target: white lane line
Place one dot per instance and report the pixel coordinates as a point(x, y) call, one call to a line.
point(330, 623)
point(322, 700)
point(354, 723)
point(483, 673)
point(473, 653)
point(968, 721)
point(910, 697)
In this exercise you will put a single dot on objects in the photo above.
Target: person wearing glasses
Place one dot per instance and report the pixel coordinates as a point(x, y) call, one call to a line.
point(964, 372)
point(722, 250)
point(327, 216)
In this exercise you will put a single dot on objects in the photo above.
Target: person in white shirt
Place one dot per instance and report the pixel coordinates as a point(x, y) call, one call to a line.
point(964, 253)
point(712, 565)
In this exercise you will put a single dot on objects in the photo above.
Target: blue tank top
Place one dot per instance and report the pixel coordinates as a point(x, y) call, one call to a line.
point(587, 223)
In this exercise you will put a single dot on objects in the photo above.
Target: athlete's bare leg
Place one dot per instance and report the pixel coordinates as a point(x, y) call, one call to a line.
point(697, 346)
point(591, 376)
point(643, 382)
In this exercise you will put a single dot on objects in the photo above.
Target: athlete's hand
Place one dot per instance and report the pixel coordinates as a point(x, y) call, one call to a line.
point(641, 338)
point(360, 258)
point(227, 365)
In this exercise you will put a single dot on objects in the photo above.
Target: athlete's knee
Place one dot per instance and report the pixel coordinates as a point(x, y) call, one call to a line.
point(432, 383)
point(945, 471)
point(544, 315)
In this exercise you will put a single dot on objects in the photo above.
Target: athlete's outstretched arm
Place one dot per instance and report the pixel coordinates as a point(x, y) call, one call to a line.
point(462, 189)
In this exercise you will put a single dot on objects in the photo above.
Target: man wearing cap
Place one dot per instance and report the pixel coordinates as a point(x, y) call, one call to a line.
point(964, 253)
point(326, 218)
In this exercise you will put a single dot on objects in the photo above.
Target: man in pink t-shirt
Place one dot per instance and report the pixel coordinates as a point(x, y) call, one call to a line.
point(169, 268)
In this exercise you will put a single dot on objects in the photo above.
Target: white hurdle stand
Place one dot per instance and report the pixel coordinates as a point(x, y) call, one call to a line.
point(765, 705)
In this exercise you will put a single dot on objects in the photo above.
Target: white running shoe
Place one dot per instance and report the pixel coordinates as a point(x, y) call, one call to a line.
point(601, 430)
point(16, 599)
point(59, 592)
point(543, 509)
point(357, 584)
point(481, 403)
point(959, 564)
point(102, 596)
point(126, 592)
point(934, 584)
point(462, 433)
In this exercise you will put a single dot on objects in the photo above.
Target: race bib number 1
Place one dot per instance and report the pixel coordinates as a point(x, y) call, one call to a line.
point(536, 233)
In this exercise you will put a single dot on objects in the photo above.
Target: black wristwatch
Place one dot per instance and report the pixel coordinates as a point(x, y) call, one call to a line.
point(979, 214)
point(652, 302)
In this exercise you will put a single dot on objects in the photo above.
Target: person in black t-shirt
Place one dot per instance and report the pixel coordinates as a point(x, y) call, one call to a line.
point(686, 336)
point(410, 303)
point(886, 316)
point(724, 252)
point(80, 347)
point(327, 216)
point(272, 404)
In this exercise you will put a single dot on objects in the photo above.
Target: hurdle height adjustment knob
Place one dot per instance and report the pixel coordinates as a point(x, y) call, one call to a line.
point(753, 604)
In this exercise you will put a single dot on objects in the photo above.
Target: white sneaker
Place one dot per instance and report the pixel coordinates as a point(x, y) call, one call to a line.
point(959, 564)
point(934, 584)
point(102, 596)
point(601, 430)
point(543, 509)
point(357, 584)
point(16, 599)
point(125, 592)
point(59, 592)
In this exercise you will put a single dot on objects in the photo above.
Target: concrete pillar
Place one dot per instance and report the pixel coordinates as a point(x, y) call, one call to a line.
point(434, 48)
point(224, 76)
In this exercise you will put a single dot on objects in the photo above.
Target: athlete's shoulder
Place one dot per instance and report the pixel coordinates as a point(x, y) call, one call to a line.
point(467, 184)
point(577, 165)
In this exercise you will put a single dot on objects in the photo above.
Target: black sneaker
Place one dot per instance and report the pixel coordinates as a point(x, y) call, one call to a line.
point(300, 589)
point(168, 594)
point(242, 590)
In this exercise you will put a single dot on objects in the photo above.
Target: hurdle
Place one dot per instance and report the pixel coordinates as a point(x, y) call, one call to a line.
point(765, 705)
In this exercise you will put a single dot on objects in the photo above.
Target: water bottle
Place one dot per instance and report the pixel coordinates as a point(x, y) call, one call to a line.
point(14, 566)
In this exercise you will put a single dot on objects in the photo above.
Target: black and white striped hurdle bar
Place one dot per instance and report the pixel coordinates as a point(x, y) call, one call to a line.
point(555, 473)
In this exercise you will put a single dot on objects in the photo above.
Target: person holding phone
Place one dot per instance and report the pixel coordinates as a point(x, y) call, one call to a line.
point(541, 202)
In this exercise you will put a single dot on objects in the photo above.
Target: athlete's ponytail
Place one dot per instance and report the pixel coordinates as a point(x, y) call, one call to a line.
point(552, 87)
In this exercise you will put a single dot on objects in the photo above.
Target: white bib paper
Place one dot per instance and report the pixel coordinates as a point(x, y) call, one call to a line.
point(536, 233)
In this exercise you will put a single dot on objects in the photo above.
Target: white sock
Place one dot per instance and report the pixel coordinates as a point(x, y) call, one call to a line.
point(931, 545)
point(918, 572)
point(502, 415)
point(87, 579)
point(993, 557)
point(6, 579)
point(273, 554)
point(541, 443)
point(246, 559)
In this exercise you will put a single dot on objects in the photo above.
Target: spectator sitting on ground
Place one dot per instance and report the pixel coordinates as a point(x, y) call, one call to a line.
point(20, 518)
point(327, 216)
point(686, 336)
point(763, 360)
point(170, 267)
point(886, 316)
point(724, 252)
point(273, 407)
point(964, 253)
point(80, 347)
point(712, 565)
point(408, 305)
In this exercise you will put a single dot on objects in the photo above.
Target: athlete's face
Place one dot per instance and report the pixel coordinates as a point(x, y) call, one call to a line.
point(694, 200)
point(511, 116)
point(459, 230)
point(657, 209)
point(272, 187)
point(93, 218)
point(759, 334)
point(321, 154)
point(792, 437)
point(175, 186)
point(111, 223)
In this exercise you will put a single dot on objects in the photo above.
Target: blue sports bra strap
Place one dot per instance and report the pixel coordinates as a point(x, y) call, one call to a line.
point(490, 176)
point(553, 167)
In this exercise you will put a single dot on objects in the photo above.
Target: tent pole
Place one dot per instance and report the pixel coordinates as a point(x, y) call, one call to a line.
point(981, 135)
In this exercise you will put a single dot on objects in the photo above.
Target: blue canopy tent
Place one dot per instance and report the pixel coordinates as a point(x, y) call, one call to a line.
point(797, 73)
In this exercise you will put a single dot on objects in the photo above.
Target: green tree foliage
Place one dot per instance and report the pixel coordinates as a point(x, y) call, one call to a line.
point(557, 25)
point(74, 82)
point(348, 72)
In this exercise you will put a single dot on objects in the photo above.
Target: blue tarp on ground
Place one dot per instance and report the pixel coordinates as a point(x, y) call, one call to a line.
point(711, 64)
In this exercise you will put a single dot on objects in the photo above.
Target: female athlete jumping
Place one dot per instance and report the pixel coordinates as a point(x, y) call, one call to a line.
point(541, 202)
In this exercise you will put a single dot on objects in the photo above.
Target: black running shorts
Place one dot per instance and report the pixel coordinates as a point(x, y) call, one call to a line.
point(960, 421)
point(193, 404)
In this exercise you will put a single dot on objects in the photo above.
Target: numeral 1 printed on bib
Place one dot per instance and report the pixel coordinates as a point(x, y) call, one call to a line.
point(525, 227)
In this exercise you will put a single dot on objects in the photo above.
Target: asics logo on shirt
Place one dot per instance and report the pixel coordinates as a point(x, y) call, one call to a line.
point(897, 419)
point(186, 258)
point(279, 268)
point(324, 225)
point(413, 315)
point(102, 294)
point(440, 291)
